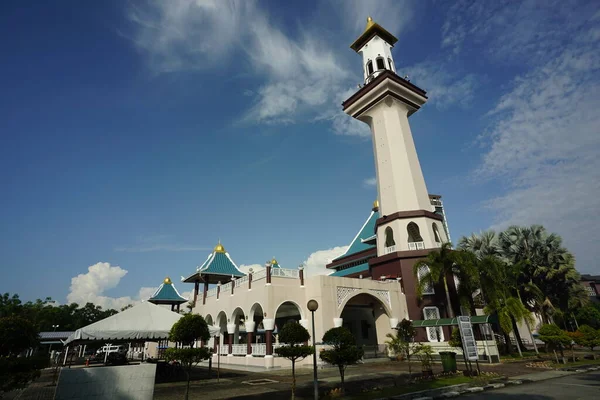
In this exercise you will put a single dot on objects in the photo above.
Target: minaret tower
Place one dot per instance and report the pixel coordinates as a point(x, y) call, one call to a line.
point(407, 229)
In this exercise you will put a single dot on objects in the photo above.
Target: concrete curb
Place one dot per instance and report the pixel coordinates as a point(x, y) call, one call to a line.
point(457, 390)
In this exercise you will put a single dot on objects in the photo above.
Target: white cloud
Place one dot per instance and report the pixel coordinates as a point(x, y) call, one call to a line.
point(100, 277)
point(245, 268)
point(315, 263)
point(370, 182)
point(444, 88)
point(303, 75)
point(544, 144)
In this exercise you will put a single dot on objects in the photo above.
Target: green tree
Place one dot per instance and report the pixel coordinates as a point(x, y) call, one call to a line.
point(424, 353)
point(554, 338)
point(343, 351)
point(589, 315)
point(294, 336)
point(588, 337)
point(187, 330)
point(17, 335)
point(401, 343)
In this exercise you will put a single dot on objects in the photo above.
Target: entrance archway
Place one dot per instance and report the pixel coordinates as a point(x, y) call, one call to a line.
point(238, 319)
point(367, 318)
point(222, 323)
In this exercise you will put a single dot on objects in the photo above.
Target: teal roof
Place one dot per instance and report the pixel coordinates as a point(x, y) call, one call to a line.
point(364, 267)
point(219, 263)
point(366, 232)
point(274, 263)
point(166, 293)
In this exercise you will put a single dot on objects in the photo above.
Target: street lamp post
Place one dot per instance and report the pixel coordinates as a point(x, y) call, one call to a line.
point(53, 326)
point(312, 307)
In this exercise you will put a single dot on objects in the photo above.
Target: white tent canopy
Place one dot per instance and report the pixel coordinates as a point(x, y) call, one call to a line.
point(145, 321)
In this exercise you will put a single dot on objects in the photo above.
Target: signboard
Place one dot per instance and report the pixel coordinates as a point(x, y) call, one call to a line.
point(468, 338)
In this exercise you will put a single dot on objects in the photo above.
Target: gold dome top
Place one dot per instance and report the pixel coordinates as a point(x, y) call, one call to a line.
point(219, 248)
point(167, 281)
point(370, 22)
point(274, 261)
point(376, 205)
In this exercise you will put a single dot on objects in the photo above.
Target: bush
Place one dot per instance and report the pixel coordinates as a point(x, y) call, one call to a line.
point(588, 337)
point(17, 372)
point(554, 337)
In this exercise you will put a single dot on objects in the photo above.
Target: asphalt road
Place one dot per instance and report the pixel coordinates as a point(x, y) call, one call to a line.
point(579, 386)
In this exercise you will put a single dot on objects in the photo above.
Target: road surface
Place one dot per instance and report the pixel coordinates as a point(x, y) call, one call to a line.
point(579, 386)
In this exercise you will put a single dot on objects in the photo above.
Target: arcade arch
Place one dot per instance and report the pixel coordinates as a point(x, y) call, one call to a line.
point(287, 311)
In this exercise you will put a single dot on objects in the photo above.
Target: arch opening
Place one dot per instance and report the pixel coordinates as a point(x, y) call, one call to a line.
point(436, 233)
point(238, 318)
point(287, 311)
point(257, 315)
point(389, 237)
point(380, 63)
point(368, 319)
point(369, 67)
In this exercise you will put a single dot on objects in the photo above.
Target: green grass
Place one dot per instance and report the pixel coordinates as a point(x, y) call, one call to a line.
point(410, 388)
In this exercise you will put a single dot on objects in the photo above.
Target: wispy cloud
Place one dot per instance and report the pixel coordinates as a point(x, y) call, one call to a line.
point(543, 140)
point(145, 244)
point(302, 73)
point(370, 182)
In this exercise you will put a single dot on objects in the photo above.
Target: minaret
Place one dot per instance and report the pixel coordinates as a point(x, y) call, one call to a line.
point(384, 103)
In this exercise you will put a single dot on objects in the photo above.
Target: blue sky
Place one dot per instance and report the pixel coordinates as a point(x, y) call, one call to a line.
point(136, 134)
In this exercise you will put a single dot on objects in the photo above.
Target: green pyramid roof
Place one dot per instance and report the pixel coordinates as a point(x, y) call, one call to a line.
point(364, 267)
point(364, 239)
point(167, 294)
point(219, 263)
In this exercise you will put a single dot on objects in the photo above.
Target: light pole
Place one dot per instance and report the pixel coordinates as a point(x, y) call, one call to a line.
point(53, 326)
point(312, 307)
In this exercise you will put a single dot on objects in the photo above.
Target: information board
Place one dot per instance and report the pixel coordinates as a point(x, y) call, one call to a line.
point(468, 338)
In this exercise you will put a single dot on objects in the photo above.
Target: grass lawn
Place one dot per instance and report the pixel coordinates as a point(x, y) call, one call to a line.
point(415, 387)
point(578, 363)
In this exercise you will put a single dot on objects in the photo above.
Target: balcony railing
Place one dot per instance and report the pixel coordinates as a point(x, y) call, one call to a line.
point(390, 249)
point(416, 246)
point(239, 349)
point(211, 292)
point(285, 273)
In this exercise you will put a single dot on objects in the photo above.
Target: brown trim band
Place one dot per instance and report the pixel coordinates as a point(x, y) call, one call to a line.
point(407, 214)
point(381, 77)
point(399, 255)
point(384, 95)
point(353, 257)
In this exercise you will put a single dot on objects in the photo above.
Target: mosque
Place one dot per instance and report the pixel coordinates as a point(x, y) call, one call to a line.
point(371, 286)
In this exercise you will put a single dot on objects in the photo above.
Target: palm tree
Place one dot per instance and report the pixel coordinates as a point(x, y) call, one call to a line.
point(441, 264)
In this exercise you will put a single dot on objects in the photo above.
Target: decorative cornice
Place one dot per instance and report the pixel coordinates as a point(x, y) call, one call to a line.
point(408, 214)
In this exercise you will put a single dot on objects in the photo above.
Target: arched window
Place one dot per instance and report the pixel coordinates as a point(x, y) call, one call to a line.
point(380, 63)
point(436, 233)
point(391, 64)
point(389, 237)
point(369, 67)
point(415, 241)
point(423, 273)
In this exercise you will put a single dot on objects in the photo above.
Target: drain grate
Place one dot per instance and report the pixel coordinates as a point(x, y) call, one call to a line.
point(260, 382)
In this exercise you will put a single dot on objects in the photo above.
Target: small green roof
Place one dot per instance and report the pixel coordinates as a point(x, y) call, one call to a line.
point(219, 263)
point(364, 267)
point(167, 294)
point(364, 238)
point(274, 263)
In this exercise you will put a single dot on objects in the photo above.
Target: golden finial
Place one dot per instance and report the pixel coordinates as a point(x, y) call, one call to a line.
point(219, 248)
point(167, 281)
point(370, 22)
point(274, 261)
point(376, 205)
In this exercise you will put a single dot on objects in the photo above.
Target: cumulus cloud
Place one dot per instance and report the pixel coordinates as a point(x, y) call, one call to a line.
point(100, 277)
point(245, 268)
point(315, 263)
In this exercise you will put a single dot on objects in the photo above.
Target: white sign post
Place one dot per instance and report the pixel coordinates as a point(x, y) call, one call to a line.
point(468, 338)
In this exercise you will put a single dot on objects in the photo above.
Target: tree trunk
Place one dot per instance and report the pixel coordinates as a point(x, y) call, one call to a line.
point(187, 388)
point(507, 343)
point(293, 380)
point(449, 304)
point(517, 336)
point(341, 367)
point(532, 338)
point(409, 368)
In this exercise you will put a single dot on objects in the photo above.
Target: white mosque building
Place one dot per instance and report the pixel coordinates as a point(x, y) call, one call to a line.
point(372, 286)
